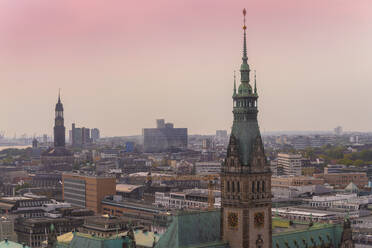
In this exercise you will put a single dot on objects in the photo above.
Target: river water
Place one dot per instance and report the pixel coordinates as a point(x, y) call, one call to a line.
point(13, 147)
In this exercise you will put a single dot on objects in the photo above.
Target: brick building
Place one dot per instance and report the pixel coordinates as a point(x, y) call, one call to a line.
point(87, 191)
point(341, 180)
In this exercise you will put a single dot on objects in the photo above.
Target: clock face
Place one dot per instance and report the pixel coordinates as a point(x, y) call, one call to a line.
point(259, 219)
point(232, 219)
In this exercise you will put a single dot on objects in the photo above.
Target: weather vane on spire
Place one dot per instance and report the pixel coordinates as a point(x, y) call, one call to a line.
point(244, 13)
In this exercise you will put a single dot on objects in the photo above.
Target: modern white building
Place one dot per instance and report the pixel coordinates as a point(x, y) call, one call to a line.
point(207, 168)
point(194, 199)
point(290, 164)
point(7, 228)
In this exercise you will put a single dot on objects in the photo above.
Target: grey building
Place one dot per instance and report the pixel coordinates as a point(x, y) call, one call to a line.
point(80, 136)
point(7, 228)
point(165, 137)
point(74, 192)
point(94, 134)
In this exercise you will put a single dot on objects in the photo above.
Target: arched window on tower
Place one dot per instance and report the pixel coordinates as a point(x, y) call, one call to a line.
point(258, 186)
point(233, 186)
point(238, 186)
point(228, 186)
point(263, 186)
point(253, 186)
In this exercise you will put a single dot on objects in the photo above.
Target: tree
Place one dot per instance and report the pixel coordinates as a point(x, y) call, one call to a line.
point(358, 162)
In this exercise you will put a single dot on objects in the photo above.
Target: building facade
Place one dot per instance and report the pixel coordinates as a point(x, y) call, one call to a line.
point(87, 191)
point(164, 137)
point(341, 180)
point(7, 228)
point(290, 164)
point(81, 136)
point(245, 175)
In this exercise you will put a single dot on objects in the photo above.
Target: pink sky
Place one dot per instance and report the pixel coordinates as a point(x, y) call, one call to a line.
point(122, 64)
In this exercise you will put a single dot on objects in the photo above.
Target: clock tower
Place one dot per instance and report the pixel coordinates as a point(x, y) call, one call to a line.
point(59, 126)
point(245, 175)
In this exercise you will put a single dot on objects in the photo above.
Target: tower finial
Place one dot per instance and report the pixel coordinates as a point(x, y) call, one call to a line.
point(59, 95)
point(244, 68)
point(245, 42)
point(255, 84)
point(234, 84)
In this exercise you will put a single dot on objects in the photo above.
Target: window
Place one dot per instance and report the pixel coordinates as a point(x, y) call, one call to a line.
point(238, 186)
point(228, 186)
point(253, 186)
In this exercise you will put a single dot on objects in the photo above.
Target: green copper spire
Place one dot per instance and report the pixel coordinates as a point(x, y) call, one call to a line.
point(244, 68)
point(245, 130)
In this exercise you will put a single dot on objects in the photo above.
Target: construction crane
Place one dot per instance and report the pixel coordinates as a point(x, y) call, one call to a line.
point(211, 185)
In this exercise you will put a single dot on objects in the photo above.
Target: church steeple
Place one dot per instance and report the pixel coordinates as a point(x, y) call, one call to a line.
point(59, 127)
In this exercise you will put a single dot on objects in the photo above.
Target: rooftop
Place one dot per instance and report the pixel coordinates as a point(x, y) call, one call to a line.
point(127, 188)
point(11, 244)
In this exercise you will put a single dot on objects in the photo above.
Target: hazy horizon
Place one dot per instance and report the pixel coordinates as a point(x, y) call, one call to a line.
point(121, 65)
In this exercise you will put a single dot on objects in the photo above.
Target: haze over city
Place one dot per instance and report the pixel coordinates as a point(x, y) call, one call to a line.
point(120, 65)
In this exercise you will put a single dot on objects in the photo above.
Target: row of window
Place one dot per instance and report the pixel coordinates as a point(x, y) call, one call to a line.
point(245, 103)
point(256, 187)
point(242, 117)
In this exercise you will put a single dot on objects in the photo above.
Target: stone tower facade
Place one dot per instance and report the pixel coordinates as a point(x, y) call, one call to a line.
point(59, 125)
point(246, 176)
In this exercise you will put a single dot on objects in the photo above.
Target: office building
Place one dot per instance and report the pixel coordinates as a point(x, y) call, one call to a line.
point(221, 134)
point(87, 191)
point(7, 228)
point(207, 168)
point(341, 180)
point(164, 137)
point(95, 134)
point(80, 136)
point(290, 164)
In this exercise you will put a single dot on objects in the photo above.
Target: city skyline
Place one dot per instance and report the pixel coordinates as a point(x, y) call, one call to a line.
point(119, 72)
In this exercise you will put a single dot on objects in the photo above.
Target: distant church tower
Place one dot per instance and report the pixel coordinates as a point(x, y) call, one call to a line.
point(59, 126)
point(246, 176)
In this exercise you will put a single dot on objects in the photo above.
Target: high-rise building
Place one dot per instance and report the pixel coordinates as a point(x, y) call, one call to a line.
point(245, 175)
point(87, 191)
point(80, 136)
point(164, 137)
point(160, 123)
point(221, 134)
point(59, 126)
point(290, 164)
point(338, 130)
point(94, 134)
